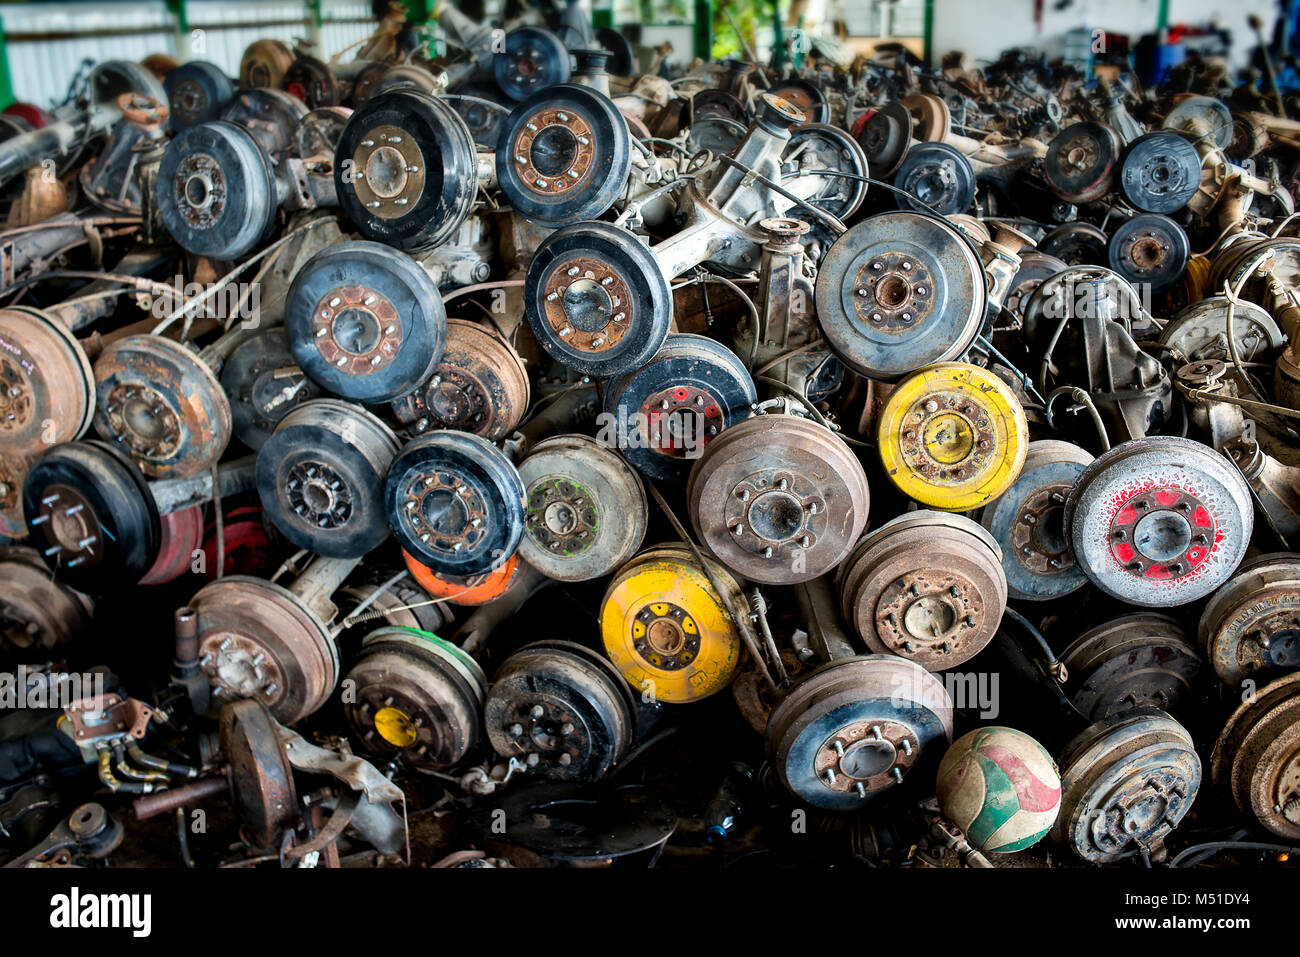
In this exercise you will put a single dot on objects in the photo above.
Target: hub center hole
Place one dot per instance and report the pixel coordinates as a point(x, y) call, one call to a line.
point(1162, 535)
point(554, 150)
point(357, 331)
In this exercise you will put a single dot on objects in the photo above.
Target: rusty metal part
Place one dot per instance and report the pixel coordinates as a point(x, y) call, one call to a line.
point(1142, 660)
point(264, 63)
point(1250, 627)
point(111, 180)
point(562, 709)
point(1159, 522)
point(271, 116)
point(1200, 331)
point(1081, 162)
point(181, 540)
point(855, 727)
point(754, 697)
point(317, 135)
point(263, 384)
point(35, 611)
point(416, 695)
point(778, 499)
point(586, 509)
point(47, 385)
point(261, 778)
point(312, 81)
point(162, 405)
point(1127, 782)
point(926, 586)
point(259, 640)
point(1257, 756)
point(479, 386)
point(1028, 521)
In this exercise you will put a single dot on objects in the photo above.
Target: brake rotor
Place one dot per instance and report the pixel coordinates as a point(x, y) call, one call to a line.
point(161, 404)
point(405, 170)
point(264, 63)
point(1202, 117)
point(455, 502)
point(270, 116)
point(1150, 249)
point(467, 590)
point(180, 540)
point(91, 515)
point(667, 630)
point(1081, 162)
point(37, 612)
point(562, 709)
point(416, 696)
point(1257, 756)
point(1159, 522)
point(953, 436)
point(197, 92)
point(1200, 332)
point(47, 386)
point(261, 778)
point(586, 509)
point(564, 155)
point(216, 191)
point(480, 386)
point(263, 384)
point(1076, 244)
point(1035, 268)
point(1127, 782)
point(534, 58)
point(886, 138)
point(1161, 171)
point(927, 587)
point(899, 291)
point(312, 81)
point(1142, 660)
point(778, 499)
point(667, 411)
point(817, 146)
point(1250, 627)
point(597, 299)
point(260, 641)
point(365, 322)
point(805, 95)
point(1028, 522)
point(320, 477)
point(855, 727)
point(935, 176)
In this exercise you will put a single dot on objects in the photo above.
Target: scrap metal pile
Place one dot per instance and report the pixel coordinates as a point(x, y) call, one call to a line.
point(516, 459)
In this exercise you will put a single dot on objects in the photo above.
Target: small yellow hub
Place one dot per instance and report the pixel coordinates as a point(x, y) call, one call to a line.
point(953, 436)
point(395, 727)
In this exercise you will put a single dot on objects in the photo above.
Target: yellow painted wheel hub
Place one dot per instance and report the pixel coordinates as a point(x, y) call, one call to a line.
point(395, 727)
point(953, 436)
point(665, 628)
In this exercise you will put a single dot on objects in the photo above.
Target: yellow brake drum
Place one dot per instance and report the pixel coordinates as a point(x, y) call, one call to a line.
point(953, 436)
point(666, 629)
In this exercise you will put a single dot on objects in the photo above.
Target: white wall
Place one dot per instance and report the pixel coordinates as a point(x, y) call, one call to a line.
point(984, 28)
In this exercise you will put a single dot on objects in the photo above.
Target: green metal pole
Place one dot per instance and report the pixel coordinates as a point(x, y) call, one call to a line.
point(1162, 16)
point(704, 29)
point(602, 18)
point(317, 22)
point(181, 36)
point(778, 36)
point(928, 53)
point(6, 83)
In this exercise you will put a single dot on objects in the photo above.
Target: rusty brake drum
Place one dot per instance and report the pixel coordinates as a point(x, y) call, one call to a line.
point(37, 612)
point(1139, 660)
point(1257, 756)
point(264, 63)
point(365, 322)
point(416, 696)
point(667, 411)
point(1077, 244)
point(1250, 627)
point(886, 137)
point(926, 586)
point(1081, 162)
point(312, 81)
point(533, 59)
point(1160, 172)
point(562, 709)
point(455, 502)
point(564, 155)
point(937, 176)
point(1159, 522)
point(855, 727)
point(1127, 782)
point(161, 404)
point(46, 380)
point(1028, 522)
point(217, 191)
point(261, 778)
point(259, 640)
point(197, 92)
point(271, 117)
point(92, 516)
point(320, 477)
point(480, 385)
point(597, 299)
point(1151, 249)
point(263, 383)
point(586, 508)
point(405, 170)
point(899, 291)
point(778, 499)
